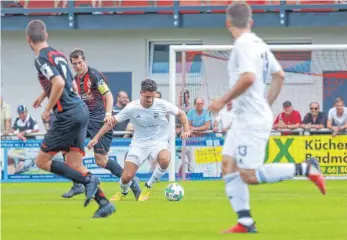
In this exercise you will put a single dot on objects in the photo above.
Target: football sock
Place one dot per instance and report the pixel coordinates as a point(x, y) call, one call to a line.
point(125, 186)
point(156, 176)
point(271, 173)
point(238, 195)
point(114, 168)
point(100, 197)
point(64, 170)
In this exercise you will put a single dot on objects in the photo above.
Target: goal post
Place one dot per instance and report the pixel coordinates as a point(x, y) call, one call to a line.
point(304, 64)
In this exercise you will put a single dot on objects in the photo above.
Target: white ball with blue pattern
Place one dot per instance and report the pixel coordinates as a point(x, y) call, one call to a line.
point(174, 192)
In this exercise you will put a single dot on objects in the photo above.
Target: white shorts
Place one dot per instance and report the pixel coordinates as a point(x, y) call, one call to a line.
point(247, 146)
point(138, 155)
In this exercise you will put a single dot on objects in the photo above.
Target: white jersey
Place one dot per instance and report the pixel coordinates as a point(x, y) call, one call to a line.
point(251, 55)
point(150, 124)
point(337, 120)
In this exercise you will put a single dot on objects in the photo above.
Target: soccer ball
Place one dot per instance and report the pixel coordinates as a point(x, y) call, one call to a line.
point(174, 192)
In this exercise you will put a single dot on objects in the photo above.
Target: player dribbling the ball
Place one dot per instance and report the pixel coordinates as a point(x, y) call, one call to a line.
point(150, 139)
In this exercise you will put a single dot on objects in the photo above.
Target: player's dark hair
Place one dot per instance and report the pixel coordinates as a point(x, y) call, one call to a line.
point(121, 91)
point(338, 99)
point(148, 85)
point(239, 14)
point(76, 53)
point(159, 93)
point(36, 31)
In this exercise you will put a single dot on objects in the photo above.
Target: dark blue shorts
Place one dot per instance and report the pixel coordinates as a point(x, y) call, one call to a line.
point(68, 131)
point(103, 145)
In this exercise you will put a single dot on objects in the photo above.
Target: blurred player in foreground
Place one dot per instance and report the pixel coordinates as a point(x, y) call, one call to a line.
point(251, 64)
point(68, 131)
point(93, 89)
point(150, 139)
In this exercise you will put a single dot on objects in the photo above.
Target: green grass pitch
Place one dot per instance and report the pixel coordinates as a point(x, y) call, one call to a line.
point(288, 210)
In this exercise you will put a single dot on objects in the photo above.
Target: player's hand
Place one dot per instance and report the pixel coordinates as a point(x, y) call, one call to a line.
point(185, 135)
point(215, 129)
point(38, 101)
point(216, 105)
point(21, 136)
point(92, 143)
point(109, 119)
point(46, 115)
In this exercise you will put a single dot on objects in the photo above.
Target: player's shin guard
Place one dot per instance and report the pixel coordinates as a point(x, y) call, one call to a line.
point(156, 176)
point(271, 173)
point(114, 168)
point(124, 186)
point(238, 195)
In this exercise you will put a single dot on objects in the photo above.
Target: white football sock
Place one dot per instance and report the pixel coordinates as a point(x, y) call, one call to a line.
point(156, 176)
point(271, 173)
point(125, 187)
point(238, 195)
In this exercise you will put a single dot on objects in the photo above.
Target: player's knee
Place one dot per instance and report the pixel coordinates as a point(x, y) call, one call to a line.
point(248, 176)
point(127, 177)
point(42, 163)
point(101, 160)
point(228, 165)
point(164, 159)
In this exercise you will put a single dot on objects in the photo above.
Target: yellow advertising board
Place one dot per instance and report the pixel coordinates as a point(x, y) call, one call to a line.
point(330, 151)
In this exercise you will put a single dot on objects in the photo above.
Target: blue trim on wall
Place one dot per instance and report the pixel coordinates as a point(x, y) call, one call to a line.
point(81, 17)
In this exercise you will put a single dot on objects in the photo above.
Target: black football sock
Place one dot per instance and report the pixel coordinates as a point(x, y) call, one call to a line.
point(64, 170)
point(114, 168)
point(100, 198)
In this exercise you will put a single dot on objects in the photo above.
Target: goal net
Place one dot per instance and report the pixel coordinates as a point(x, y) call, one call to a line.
point(199, 73)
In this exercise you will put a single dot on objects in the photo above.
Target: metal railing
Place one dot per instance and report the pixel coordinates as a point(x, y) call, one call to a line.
point(176, 10)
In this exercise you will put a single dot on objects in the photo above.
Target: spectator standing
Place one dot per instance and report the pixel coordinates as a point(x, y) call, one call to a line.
point(199, 118)
point(224, 119)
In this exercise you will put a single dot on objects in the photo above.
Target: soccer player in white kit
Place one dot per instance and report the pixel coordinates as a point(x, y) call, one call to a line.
point(250, 64)
point(150, 139)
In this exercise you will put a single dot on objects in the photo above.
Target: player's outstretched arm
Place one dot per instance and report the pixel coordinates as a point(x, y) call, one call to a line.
point(106, 128)
point(184, 120)
point(275, 87)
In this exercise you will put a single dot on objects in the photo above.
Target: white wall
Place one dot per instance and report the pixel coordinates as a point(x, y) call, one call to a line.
point(126, 50)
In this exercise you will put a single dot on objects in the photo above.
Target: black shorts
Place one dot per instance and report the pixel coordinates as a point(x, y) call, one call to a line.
point(103, 145)
point(68, 131)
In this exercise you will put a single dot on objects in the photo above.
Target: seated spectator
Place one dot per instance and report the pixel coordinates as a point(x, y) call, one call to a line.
point(314, 119)
point(183, 101)
point(224, 119)
point(5, 118)
point(199, 118)
point(122, 100)
point(24, 124)
point(158, 94)
point(337, 117)
point(288, 119)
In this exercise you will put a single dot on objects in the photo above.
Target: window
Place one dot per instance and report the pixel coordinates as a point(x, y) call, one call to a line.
point(159, 58)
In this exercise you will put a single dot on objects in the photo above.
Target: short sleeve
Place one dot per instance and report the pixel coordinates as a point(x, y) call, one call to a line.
point(46, 68)
point(124, 114)
point(297, 117)
point(15, 125)
point(330, 114)
point(305, 120)
point(34, 124)
point(100, 82)
point(246, 58)
point(207, 116)
point(170, 108)
point(274, 65)
point(323, 120)
point(190, 115)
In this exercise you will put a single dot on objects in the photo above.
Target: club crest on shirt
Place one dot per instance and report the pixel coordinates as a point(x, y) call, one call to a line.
point(156, 115)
